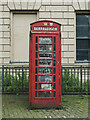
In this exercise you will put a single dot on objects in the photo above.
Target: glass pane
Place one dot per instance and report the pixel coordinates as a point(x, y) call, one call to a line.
point(45, 47)
point(54, 78)
point(54, 94)
point(45, 86)
point(82, 31)
point(54, 70)
point(54, 39)
point(45, 62)
point(54, 62)
point(45, 70)
point(54, 86)
point(82, 19)
point(89, 55)
point(54, 55)
point(36, 55)
point(45, 55)
point(45, 78)
point(36, 70)
point(45, 39)
point(36, 48)
point(82, 44)
point(54, 47)
point(36, 78)
point(89, 44)
point(35, 62)
point(36, 86)
point(36, 40)
point(89, 29)
point(82, 55)
point(35, 93)
point(45, 93)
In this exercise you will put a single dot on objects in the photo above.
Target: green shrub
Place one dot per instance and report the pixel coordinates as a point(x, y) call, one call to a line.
point(13, 82)
point(71, 83)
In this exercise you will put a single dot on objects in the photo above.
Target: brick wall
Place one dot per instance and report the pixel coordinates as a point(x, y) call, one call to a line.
point(61, 12)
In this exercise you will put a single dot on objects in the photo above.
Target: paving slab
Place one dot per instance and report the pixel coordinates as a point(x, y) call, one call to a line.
point(73, 106)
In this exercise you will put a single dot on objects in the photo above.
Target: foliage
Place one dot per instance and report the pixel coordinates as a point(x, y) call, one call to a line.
point(71, 83)
point(15, 83)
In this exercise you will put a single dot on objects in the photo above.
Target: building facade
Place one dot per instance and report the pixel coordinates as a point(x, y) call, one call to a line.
point(15, 19)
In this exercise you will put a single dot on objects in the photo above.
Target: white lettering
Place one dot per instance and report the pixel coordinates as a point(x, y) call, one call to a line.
point(45, 28)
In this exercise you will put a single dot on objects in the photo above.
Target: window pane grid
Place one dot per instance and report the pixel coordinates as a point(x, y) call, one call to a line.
point(45, 66)
point(83, 49)
point(83, 37)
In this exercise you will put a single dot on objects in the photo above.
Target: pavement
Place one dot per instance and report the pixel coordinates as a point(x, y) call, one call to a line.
point(73, 106)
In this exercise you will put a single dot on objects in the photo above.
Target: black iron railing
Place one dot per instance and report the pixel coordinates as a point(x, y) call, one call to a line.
point(16, 79)
point(75, 79)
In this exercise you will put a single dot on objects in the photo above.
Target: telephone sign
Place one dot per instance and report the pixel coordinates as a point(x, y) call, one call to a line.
point(45, 64)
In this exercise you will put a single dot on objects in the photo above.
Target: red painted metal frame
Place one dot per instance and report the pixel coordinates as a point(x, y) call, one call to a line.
point(44, 101)
point(30, 69)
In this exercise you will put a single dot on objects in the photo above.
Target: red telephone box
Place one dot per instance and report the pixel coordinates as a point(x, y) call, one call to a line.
point(45, 64)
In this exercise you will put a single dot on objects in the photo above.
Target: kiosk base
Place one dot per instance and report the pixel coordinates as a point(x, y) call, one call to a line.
point(34, 107)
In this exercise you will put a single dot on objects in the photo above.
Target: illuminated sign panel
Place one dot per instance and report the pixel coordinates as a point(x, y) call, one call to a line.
point(45, 28)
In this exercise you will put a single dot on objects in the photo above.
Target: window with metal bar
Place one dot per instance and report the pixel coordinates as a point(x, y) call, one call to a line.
point(83, 37)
